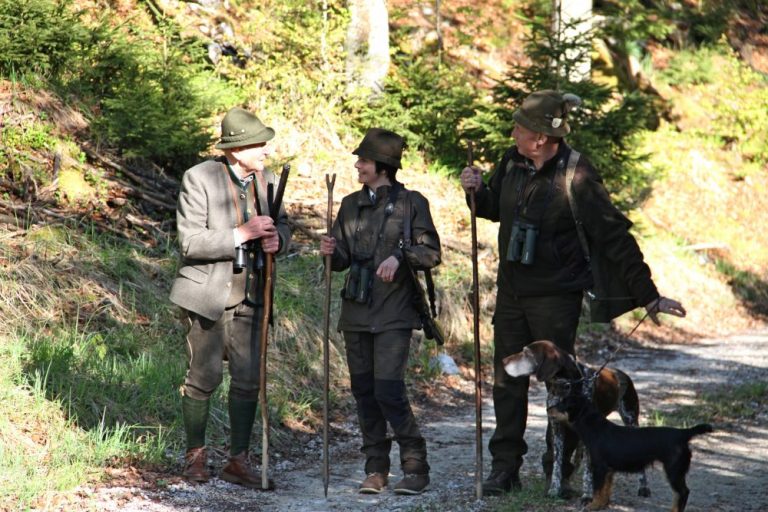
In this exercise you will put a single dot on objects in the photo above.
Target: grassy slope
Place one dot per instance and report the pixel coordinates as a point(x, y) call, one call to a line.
point(91, 353)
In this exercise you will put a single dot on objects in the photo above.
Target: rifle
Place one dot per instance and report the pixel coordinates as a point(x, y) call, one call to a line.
point(274, 212)
point(426, 309)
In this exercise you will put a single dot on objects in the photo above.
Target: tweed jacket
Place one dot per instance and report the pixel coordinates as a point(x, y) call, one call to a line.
point(205, 218)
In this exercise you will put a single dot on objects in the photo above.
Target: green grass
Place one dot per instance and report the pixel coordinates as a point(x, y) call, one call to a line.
point(733, 404)
point(90, 360)
point(751, 288)
point(93, 356)
point(533, 498)
point(43, 449)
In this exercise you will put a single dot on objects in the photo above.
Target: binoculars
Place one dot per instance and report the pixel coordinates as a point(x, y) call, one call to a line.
point(357, 286)
point(522, 243)
point(241, 256)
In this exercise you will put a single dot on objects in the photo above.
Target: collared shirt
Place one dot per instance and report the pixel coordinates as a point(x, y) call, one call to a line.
point(242, 183)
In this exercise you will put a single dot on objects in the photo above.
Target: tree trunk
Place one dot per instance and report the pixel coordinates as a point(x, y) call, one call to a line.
point(367, 45)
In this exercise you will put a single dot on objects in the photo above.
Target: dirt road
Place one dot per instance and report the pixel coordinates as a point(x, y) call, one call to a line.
point(729, 470)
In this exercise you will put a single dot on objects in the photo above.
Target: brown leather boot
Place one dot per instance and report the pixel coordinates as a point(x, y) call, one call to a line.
point(195, 465)
point(238, 471)
point(412, 483)
point(374, 483)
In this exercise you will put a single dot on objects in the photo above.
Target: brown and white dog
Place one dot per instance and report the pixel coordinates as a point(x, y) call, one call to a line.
point(610, 390)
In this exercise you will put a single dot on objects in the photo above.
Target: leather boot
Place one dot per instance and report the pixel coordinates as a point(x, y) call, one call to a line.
point(238, 471)
point(195, 465)
point(374, 483)
point(412, 483)
point(500, 481)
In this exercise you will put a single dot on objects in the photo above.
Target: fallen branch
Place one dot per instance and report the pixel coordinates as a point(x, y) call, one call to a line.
point(150, 197)
point(136, 178)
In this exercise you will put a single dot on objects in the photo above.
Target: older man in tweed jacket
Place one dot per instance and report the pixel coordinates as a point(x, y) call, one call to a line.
point(222, 209)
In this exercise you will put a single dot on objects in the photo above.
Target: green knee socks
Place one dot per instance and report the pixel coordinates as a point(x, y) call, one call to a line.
point(195, 416)
point(241, 416)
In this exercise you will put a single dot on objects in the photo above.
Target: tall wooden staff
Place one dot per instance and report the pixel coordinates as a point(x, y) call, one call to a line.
point(476, 332)
point(274, 212)
point(329, 182)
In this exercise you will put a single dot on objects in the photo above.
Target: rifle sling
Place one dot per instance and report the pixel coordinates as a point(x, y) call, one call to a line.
point(407, 241)
point(569, 173)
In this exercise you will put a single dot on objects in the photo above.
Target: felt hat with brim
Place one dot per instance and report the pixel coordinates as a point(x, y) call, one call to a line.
point(545, 112)
point(382, 146)
point(240, 128)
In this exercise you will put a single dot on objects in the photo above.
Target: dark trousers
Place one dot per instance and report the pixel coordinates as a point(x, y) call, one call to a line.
point(518, 322)
point(377, 364)
point(234, 336)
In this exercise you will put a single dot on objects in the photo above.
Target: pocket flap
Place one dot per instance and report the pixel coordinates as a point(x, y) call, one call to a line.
point(196, 274)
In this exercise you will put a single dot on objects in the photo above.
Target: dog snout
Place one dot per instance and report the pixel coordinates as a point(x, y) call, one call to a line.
point(522, 363)
point(518, 366)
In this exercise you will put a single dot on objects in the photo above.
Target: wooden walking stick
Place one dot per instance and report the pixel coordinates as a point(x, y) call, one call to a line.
point(329, 183)
point(274, 212)
point(476, 332)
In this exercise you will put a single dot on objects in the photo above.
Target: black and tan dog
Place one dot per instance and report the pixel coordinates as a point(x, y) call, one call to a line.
point(610, 390)
point(614, 448)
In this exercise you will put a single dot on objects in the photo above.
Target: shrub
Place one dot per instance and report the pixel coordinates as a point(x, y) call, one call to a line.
point(157, 102)
point(39, 36)
point(149, 91)
point(425, 103)
point(731, 110)
point(296, 69)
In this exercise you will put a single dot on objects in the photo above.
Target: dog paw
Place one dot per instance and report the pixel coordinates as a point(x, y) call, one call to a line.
point(644, 492)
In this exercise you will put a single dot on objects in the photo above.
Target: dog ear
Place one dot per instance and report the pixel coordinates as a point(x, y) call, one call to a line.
point(548, 368)
point(550, 358)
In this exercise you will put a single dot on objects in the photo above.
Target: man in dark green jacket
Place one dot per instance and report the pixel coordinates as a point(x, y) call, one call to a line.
point(378, 312)
point(222, 211)
point(543, 270)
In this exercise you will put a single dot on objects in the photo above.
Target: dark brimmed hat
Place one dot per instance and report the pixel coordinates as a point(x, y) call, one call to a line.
point(241, 128)
point(546, 112)
point(382, 146)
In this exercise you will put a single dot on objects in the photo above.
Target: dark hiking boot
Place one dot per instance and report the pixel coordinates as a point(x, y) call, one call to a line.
point(412, 483)
point(195, 465)
point(238, 471)
point(374, 483)
point(500, 481)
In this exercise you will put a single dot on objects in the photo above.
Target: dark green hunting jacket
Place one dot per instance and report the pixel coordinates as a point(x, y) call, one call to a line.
point(518, 192)
point(356, 230)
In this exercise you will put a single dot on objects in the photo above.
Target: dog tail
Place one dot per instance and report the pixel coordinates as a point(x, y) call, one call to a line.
point(703, 428)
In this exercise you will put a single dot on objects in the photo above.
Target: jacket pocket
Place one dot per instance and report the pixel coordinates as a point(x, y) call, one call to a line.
point(198, 274)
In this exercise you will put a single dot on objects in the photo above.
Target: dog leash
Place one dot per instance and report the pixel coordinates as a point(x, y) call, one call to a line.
point(654, 309)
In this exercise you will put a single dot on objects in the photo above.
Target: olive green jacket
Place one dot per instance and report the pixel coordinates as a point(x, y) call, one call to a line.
point(356, 229)
point(205, 218)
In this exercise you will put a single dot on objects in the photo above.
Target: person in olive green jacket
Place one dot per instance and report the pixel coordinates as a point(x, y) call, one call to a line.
point(222, 213)
point(543, 270)
point(378, 313)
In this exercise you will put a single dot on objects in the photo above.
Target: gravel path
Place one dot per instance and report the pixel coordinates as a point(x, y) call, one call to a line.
point(729, 470)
